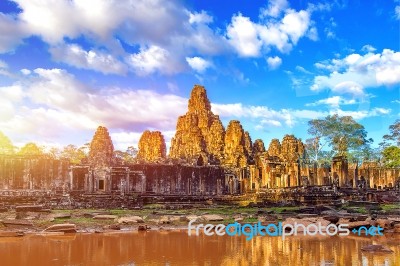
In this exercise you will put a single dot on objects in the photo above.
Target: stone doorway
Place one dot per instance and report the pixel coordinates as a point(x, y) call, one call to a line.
point(101, 184)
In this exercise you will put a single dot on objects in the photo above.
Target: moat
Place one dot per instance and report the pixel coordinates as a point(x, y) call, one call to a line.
point(177, 248)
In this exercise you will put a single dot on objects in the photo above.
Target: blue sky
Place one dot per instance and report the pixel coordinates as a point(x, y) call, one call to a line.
point(68, 66)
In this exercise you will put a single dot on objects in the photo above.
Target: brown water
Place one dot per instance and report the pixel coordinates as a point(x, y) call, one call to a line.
point(177, 248)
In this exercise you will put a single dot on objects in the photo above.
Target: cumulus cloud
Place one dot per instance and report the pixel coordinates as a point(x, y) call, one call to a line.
point(4, 69)
point(201, 17)
point(122, 40)
point(153, 59)
point(270, 122)
point(280, 27)
point(354, 73)
point(284, 116)
point(50, 103)
point(12, 32)
point(268, 117)
point(113, 38)
point(74, 55)
point(243, 36)
point(274, 62)
point(274, 9)
point(198, 64)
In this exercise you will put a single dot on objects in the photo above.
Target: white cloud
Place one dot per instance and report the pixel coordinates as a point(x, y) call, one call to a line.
point(295, 24)
point(356, 72)
point(25, 71)
point(50, 103)
point(11, 33)
point(274, 62)
point(329, 29)
point(274, 9)
point(397, 12)
point(178, 32)
point(3, 64)
point(201, 17)
point(74, 55)
point(9, 96)
point(242, 35)
point(288, 117)
point(280, 27)
point(368, 48)
point(150, 60)
point(303, 70)
point(361, 114)
point(270, 122)
point(349, 87)
point(334, 102)
point(4, 69)
point(198, 64)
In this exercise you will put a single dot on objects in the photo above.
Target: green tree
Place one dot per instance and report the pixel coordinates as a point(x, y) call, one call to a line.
point(31, 149)
point(126, 157)
point(342, 133)
point(316, 154)
point(391, 156)
point(394, 135)
point(73, 154)
point(6, 146)
point(54, 153)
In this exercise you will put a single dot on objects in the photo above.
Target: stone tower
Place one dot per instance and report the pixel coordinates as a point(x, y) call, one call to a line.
point(199, 137)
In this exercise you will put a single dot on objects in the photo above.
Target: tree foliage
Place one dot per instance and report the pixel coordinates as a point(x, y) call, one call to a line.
point(73, 154)
point(341, 133)
point(391, 156)
point(126, 157)
point(6, 146)
point(31, 149)
point(394, 135)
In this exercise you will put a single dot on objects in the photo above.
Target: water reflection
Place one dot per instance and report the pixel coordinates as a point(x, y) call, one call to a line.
point(177, 248)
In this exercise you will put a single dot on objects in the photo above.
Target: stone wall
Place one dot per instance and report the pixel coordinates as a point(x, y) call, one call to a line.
point(33, 172)
point(152, 179)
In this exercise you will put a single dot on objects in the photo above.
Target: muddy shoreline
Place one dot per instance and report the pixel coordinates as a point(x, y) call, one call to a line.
point(34, 219)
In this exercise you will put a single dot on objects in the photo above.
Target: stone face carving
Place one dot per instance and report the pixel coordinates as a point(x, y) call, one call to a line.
point(258, 147)
point(290, 150)
point(235, 151)
point(199, 133)
point(152, 146)
point(248, 144)
point(274, 148)
point(101, 148)
point(215, 140)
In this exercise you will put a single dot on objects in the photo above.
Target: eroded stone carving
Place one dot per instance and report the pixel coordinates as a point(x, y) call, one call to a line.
point(152, 146)
point(101, 148)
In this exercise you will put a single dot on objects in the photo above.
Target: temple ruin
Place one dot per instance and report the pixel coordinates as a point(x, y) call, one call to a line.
point(205, 159)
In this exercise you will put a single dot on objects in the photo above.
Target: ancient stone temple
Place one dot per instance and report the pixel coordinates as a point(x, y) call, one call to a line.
point(101, 148)
point(274, 148)
point(258, 147)
point(204, 160)
point(237, 145)
point(199, 133)
point(292, 149)
point(152, 146)
point(282, 165)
